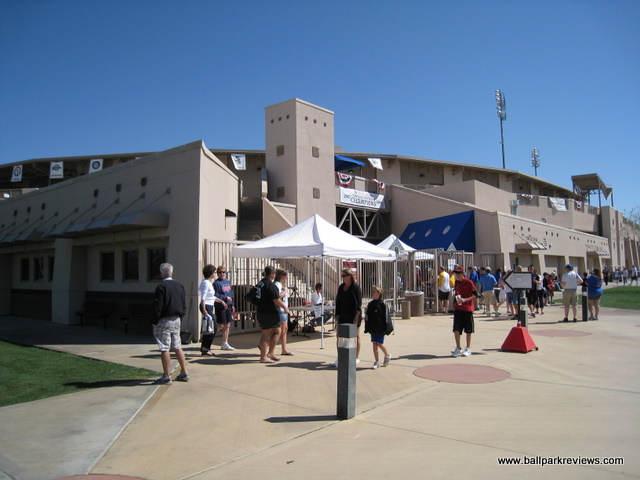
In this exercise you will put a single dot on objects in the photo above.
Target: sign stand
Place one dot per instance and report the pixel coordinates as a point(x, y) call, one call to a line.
point(519, 339)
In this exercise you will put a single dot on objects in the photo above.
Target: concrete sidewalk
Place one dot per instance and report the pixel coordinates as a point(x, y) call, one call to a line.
point(577, 396)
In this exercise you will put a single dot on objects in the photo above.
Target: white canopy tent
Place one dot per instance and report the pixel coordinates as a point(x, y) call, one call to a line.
point(314, 237)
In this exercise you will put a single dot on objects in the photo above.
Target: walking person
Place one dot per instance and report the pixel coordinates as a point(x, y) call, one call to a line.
point(283, 293)
point(594, 292)
point(487, 283)
point(207, 301)
point(269, 316)
point(375, 323)
point(169, 306)
point(570, 282)
point(225, 307)
point(349, 307)
point(463, 313)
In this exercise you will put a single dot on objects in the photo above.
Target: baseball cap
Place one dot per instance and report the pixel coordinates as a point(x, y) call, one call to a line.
point(568, 266)
point(458, 269)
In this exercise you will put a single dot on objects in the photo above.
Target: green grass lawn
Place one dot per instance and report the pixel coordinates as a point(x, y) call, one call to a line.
point(621, 297)
point(31, 373)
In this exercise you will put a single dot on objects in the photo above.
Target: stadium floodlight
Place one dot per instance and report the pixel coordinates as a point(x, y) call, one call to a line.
point(501, 105)
point(535, 160)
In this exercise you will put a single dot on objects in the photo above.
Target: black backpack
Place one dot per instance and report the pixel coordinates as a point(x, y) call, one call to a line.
point(254, 295)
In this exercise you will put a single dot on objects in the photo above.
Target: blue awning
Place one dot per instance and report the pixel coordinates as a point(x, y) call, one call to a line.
point(344, 163)
point(453, 232)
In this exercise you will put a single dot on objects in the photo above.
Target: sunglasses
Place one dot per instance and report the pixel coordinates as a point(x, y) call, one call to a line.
point(222, 272)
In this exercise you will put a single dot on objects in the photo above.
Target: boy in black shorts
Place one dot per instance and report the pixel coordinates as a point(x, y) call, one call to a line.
point(463, 314)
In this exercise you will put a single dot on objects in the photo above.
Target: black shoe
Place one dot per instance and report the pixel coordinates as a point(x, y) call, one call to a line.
point(575, 320)
point(565, 319)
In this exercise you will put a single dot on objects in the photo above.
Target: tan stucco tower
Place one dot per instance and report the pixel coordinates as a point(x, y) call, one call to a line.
point(299, 157)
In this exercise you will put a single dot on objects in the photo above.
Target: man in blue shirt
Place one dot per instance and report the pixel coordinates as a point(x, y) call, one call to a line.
point(487, 282)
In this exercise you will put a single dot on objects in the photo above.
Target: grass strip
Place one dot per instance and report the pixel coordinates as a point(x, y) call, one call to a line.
point(32, 373)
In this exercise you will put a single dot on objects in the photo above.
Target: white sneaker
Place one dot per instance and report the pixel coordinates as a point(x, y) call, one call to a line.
point(456, 352)
point(226, 346)
point(334, 364)
point(497, 314)
point(357, 361)
point(387, 359)
point(375, 365)
point(467, 352)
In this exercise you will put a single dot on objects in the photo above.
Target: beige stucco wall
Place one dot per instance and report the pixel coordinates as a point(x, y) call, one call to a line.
point(187, 183)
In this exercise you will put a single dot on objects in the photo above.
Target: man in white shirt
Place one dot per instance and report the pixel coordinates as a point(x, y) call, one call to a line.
point(570, 282)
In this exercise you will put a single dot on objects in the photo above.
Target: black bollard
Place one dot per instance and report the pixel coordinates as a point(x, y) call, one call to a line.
point(585, 308)
point(347, 342)
point(522, 308)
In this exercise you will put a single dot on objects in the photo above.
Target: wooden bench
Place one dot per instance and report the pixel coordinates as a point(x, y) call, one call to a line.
point(93, 308)
point(138, 311)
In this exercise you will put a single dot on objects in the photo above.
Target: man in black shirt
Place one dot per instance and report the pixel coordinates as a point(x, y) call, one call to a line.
point(169, 306)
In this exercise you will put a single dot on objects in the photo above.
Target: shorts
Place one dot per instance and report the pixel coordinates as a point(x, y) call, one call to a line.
point(511, 298)
point(569, 298)
point(443, 295)
point(594, 296)
point(167, 334)
point(377, 339)
point(268, 321)
point(284, 317)
point(489, 298)
point(463, 321)
point(223, 314)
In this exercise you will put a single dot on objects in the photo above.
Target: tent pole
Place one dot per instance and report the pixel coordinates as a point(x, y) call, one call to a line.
point(324, 287)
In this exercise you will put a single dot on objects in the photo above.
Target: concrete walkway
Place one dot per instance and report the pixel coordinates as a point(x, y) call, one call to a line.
point(577, 396)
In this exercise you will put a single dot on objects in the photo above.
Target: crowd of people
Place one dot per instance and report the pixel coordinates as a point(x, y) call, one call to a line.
point(459, 292)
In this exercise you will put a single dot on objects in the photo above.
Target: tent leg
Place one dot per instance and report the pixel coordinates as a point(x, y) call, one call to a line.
point(324, 287)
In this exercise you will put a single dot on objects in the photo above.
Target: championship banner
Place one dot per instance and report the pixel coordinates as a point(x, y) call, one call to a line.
point(558, 203)
point(360, 198)
point(16, 175)
point(56, 170)
point(239, 161)
point(95, 165)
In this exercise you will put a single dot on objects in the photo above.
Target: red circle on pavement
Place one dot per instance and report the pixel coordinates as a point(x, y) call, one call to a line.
point(100, 477)
point(462, 373)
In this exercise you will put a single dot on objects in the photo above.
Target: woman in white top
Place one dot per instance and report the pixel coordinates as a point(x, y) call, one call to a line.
point(317, 301)
point(280, 280)
point(207, 299)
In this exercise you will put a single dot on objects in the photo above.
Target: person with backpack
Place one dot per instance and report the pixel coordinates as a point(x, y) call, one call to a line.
point(269, 316)
point(375, 323)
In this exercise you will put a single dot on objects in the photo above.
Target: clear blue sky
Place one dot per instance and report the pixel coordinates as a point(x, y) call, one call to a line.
point(407, 77)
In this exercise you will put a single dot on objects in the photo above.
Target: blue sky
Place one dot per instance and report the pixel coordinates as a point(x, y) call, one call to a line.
point(407, 77)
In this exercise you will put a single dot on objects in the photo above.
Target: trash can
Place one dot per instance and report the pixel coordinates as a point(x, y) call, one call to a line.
point(417, 302)
point(405, 308)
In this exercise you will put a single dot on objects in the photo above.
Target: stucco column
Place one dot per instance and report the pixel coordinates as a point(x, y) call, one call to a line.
point(69, 281)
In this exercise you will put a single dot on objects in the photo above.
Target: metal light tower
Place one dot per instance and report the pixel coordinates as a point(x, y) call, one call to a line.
point(535, 160)
point(501, 105)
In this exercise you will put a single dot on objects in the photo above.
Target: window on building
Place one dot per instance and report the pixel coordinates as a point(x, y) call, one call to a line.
point(24, 269)
point(38, 268)
point(107, 266)
point(156, 256)
point(130, 261)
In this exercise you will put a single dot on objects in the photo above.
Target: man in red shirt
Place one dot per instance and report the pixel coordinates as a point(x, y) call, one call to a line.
point(463, 314)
